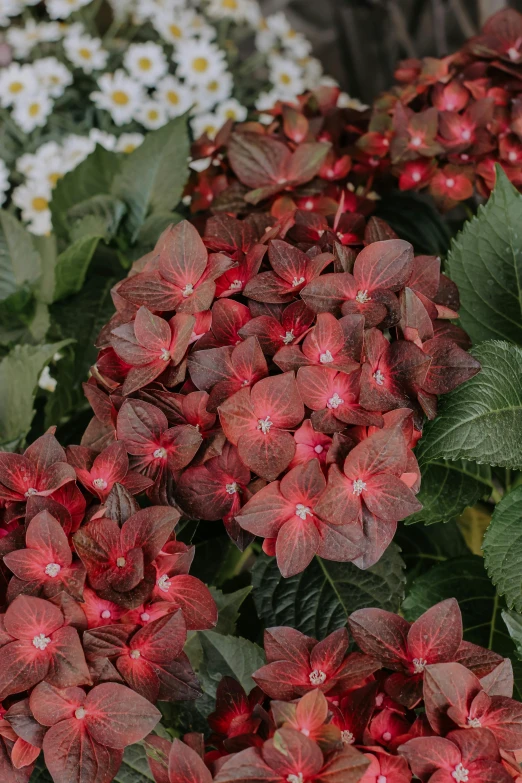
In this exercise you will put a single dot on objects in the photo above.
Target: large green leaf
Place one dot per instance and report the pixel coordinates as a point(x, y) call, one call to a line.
point(19, 373)
point(97, 216)
point(416, 220)
point(19, 260)
point(425, 545)
point(319, 600)
point(152, 177)
point(485, 262)
point(503, 548)
point(482, 419)
point(465, 579)
point(447, 488)
point(92, 177)
point(72, 265)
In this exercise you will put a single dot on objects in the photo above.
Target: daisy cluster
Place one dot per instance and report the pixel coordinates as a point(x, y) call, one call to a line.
point(414, 702)
point(184, 56)
point(446, 123)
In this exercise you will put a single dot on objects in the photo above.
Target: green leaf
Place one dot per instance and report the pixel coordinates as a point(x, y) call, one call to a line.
point(230, 656)
point(19, 373)
point(319, 600)
point(228, 605)
point(19, 260)
point(72, 265)
point(503, 548)
point(97, 216)
point(422, 546)
point(154, 226)
point(447, 488)
point(465, 579)
point(485, 262)
point(416, 220)
point(482, 419)
point(93, 176)
point(40, 773)
point(152, 177)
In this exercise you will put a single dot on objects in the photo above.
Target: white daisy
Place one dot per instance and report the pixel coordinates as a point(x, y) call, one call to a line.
point(119, 94)
point(25, 164)
point(267, 100)
point(345, 101)
point(9, 8)
point(85, 52)
point(174, 95)
point(49, 31)
point(199, 61)
point(31, 111)
point(33, 199)
point(215, 90)
point(313, 72)
point(176, 25)
point(296, 44)
point(51, 168)
point(240, 11)
point(61, 9)
point(146, 62)
point(53, 75)
point(128, 142)
point(151, 114)
point(231, 110)
point(16, 81)
point(286, 76)
point(46, 380)
point(205, 123)
point(75, 149)
point(103, 138)
point(4, 181)
point(22, 39)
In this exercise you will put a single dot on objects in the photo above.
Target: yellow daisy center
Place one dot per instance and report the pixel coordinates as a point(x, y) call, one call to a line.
point(39, 203)
point(16, 87)
point(230, 5)
point(34, 109)
point(284, 78)
point(173, 97)
point(213, 86)
point(145, 63)
point(175, 30)
point(120, 97)
point(85, 53)
point(152, 114)
point(54, 177)
point(200, 64)
point(129, 148)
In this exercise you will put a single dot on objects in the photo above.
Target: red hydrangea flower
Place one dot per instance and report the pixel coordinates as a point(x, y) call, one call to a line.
point(436, 637)
point(87, 732)
point(150, 660)
point(36, 645)
point(334, 343)
point(257, 421)
point(297, 664)
point(275, 332)
point(311, 716)
point(234, 715)
point(384, 767)
point(46, 565)
point(99, 472)
point(98, 611)
point(309, 445)
point(40, 470)
point(471, 755)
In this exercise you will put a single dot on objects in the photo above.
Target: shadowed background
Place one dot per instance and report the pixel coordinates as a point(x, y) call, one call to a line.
point(360, 41)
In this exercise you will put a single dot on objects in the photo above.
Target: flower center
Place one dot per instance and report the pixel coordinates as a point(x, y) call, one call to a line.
point(512, 156)
point(386, 736)
point(295, 778)
point(164, 583)
point(302, 511)
point(378, 377)
point(52, 569)
point(80, 713)
point(188, 290)
point(121, 562)
point(513, 53)
point(236, 285)
point(466, 135)
point(362, 297)
point(100, 483)
point(334, 401)
point(135, 654)
point(450, 183)
point(160, 453)
point(264, 424)
point(416, 176)
point(297, 281)
point(347, 737)
point(318, 449)
point(165, 355)
point(326, 357)
point(460, 774)
point(31, 491)
point(317, 677)
point(85, 53)
point(419, 664)
point(145, 617)
point(120, 98)
point(39, 203)
point(358, 486)
point(16, 87)
point(232, 488)
point(200, 64)
point(34, 109)
point(474, 723)
point(105, 615)
point(41, 641)
point(145, 63)
point(289, 336)
point(381, 779)
point(416, 141)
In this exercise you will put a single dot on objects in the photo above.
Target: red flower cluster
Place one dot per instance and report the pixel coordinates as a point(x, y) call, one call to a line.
point(274, 379)
point(416, 701)
point(446, 123)
point(99, 601)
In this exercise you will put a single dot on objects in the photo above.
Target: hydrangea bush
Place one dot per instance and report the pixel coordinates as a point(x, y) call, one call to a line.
point(263, 441)
point(77, 75)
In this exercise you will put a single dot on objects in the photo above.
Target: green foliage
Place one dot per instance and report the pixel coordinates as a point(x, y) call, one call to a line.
point(415, 219)
point(319, 600)
point(482, 419)
point(19, 261)
point(152, 177)
point(486, 263)
point(71, 266)
point(134, 768)
point(503, 548)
